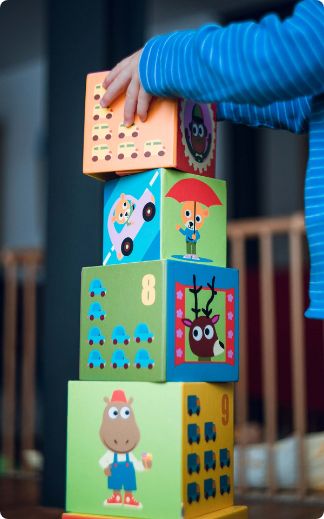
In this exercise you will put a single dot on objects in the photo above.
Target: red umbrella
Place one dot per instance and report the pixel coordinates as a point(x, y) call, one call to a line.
point(192, 189)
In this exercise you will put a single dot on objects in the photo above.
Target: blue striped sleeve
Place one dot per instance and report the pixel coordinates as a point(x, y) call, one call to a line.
point(244, 63)
point(289, 115)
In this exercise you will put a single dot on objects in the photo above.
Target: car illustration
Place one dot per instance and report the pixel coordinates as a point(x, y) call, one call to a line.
point(96, 288)
point(154, 148)
point(142, 333)
point(96, 312)
point(224, 458)
point(101, 113)
point(118, 360)
point(210, 431)
point(127, 150)
point(119, 335)
point(193, 461)
point(98, 92)
point(144, 212)
point(193, 405)
point(193, 433)
point(101, 131)
point(209, 488)
point(225, 484)
point(95, 360)
point(95, 337)
point(193, 492)
point(101, 153)
point(124, 131)
point(143, 360)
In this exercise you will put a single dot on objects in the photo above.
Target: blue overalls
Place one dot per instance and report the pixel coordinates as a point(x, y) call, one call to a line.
point(122, 475)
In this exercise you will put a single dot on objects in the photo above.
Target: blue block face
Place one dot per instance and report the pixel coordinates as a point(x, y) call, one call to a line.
point(202, 323)
point(132, 214)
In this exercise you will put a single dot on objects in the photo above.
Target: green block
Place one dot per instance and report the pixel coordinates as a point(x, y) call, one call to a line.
point(135, 323)
point(148, 441)
point(164, 214)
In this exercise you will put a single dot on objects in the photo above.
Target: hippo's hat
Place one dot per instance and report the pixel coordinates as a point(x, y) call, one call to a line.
point(197, 114)
point(118, 396)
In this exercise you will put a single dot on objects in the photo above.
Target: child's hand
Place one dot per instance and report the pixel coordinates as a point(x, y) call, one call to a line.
point(125, 76)
point(178, 226)
point(193, 236)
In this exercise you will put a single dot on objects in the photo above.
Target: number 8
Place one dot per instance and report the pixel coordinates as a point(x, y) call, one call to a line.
point(148, 292)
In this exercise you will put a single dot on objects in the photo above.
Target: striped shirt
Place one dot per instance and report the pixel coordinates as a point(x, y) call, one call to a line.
point(261, 74)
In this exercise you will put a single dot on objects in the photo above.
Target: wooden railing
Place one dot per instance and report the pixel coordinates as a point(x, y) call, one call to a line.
point(18, 269)
point(264, 231)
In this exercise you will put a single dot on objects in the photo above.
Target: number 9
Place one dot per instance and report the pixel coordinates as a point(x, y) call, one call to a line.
point(225, 409)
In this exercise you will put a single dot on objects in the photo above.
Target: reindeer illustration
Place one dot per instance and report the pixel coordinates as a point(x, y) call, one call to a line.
point(203, 338)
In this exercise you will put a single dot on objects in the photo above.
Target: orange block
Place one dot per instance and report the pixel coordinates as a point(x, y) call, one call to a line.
point(178, 134)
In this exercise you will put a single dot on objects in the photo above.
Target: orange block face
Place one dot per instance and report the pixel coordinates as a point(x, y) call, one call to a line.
point(178, 134)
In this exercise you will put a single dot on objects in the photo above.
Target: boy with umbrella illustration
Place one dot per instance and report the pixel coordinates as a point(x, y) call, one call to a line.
point(193, 193)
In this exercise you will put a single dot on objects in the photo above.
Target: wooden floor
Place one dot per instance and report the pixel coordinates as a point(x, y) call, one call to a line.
point(19, 499)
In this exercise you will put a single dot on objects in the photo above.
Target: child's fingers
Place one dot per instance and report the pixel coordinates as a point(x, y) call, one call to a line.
point(143, 103)
point(118, 86)
point(114, 72)
point(131, 101)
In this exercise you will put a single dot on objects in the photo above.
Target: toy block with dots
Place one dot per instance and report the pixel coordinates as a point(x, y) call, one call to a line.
point(164, 214)
point(159, 321)
point(137, 448)
point(178, 134)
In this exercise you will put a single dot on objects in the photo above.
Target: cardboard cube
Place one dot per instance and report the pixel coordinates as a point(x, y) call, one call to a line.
point(132, 444)
point(232, 512)
point(164, 214)
point(159, 321)
point(177, 134)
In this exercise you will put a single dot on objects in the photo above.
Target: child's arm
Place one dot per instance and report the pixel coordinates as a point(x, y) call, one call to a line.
point(244, 63)
point(290, 115)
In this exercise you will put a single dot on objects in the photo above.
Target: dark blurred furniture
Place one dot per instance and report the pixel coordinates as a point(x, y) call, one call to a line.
point(83, 37)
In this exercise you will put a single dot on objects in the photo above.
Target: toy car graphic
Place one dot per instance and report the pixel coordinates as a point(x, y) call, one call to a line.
point(101, 153)
point(131, 131)
point(95, 360)
point(127, 150)
point(96, 312)
point(96, 288)
point(98, 92)
point(102, 131)
point(144, 211)
point(118, 360)
point(142, 333)
point(154, 148)
point(119, 335)
point(101, 113)
point(143, 360)
point(95, 337)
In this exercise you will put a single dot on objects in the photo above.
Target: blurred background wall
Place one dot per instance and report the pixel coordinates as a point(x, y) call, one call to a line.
point(46, 49)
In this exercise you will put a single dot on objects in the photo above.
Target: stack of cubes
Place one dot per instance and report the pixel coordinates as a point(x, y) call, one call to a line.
point(150, 423)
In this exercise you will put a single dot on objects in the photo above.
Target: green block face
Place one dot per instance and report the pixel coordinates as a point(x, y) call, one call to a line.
point(144, 322)
point(154, 427)
point(125, 327)
point(167, 446)
point(164, 214)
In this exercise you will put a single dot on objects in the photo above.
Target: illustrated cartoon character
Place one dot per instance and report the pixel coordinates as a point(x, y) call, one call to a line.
point(193, 216)
point(120, 434)
point(123, 211)
point(196, 141)
point(203, 339)
point(132, 212)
